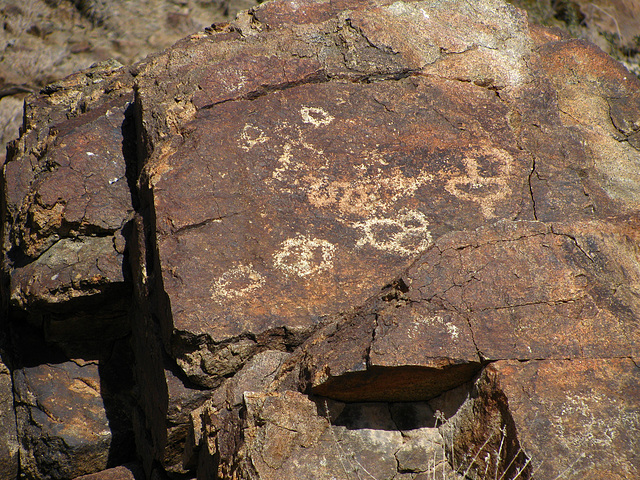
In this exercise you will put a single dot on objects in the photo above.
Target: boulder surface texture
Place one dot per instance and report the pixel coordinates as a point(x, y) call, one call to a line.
point(365, 239)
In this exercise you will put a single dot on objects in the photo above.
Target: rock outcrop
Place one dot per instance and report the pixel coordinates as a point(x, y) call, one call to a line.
point(43, 41)
point(393, 240)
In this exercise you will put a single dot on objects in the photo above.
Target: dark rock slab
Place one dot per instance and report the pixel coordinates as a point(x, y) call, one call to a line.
point(307, 211)
point(373, 147)
point(514, 290)
point(73, 415)
point(574, 418)
point(81, 188)
point(338, 187)
point(63, 427)
point(124, 472)
point(66, 200)
point(362, 359)
point(165, 397)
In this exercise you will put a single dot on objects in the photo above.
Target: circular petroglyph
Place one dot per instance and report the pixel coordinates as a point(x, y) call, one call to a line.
point(303, 256)
point(316, 116)
point(236, 282)
point(404, 234)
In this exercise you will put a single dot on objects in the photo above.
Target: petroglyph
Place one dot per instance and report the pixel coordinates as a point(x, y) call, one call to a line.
point(303, 256)
point(485, 179)
point(236, 282)
point(365, 195)
point(315, 116)
point(287, 161)
point(595, 430)
point(252, 135)
point(374, 192)
point(303, 168)
point(405, 234)
point(436, 321)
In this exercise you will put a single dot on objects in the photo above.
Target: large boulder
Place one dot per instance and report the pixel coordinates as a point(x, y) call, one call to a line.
point(339, 186)
point(416, 208)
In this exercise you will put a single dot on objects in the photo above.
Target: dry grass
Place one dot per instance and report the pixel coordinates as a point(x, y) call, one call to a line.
point(443, 466)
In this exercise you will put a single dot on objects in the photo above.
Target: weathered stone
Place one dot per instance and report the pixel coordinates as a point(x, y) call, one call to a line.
point(289, 436)
point(214, 430)
point(67, 200)
point(598, 176)
point(64, 427)
point(328, 194)
point(421, 455)
point(124, 472)
point(513, 290)
point(355, 361)
point(82, 188)
point(341, 181)
point(9, 448)
point(574, 418)
point(230, 440)
point(328, 153)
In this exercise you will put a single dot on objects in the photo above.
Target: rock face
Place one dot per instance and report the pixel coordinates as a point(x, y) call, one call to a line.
point(364, 239)
point(590, 411)
point(8, 439)
point(66, 206)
